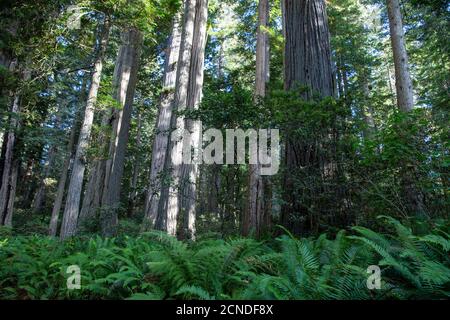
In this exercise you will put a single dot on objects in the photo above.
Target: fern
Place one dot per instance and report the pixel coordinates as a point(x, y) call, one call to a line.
point(157, 266)
point(193, 292)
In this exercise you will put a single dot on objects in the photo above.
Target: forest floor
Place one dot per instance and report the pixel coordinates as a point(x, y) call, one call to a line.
point(405, 262)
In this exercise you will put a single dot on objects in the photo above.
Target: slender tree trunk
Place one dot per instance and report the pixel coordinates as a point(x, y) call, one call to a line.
point(39, 198)
point(61, 184)
point(367, 109)
point(391, 90)
point(8, 61)
point(40, 195)
point(403, 83)
point(340, 87)
point(307, 63)
point(254, 218)
point(126, 85)
point(136, 169)
point(71, 210)
point(3, 154)
point(6, 179)
point(28, 182)
point(405, 102)
point(12, 192)
point(161, 141)
point(346, 83)
point(170, 198)
point(342, 70)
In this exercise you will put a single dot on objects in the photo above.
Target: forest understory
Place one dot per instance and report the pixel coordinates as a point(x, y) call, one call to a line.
point(224, 150)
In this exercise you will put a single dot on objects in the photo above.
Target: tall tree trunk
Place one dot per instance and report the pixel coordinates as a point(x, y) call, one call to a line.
point(125, 89)
point(307, 51)
point(340, 86)
point(8, 162)
point(254, 217)
point(2, 154)
point(124, 83)
point(405, 102)
point(169, 205)
point(367, 110)
point(53, 227)
point(94, 190)
point(403, 83)
point(62, 183)
point(71, 210)
point(190, 171)
point(8, 184)
point(12, 192)
point(162, 132)
point(307, 63)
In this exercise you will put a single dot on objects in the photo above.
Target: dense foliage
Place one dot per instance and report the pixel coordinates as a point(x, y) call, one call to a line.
point(414, 261)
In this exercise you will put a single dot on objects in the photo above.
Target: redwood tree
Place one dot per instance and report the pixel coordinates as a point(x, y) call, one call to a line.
point(307, 65)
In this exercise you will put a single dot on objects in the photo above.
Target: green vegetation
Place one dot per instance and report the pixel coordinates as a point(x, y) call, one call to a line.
point(93, 95)
point(414, 262)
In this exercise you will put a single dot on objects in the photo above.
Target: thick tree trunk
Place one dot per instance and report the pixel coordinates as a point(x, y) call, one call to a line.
point(307, 64)
point(96, 196)
point(71, 210)
point(162, 132)
point(190, 171)
point(403, 83)
point(170, 198)
point(254, 217)
point(125, 89)
point(307, 51)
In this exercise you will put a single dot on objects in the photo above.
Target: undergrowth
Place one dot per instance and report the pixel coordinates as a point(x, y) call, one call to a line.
point(414, 265)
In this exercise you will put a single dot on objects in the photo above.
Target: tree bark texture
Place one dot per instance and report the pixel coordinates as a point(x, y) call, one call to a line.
point(307, 64)
point(403, 83)
point(71, 210)
point(170, 201)
point(162, 132)
point(126, 80)
point(254, 217)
